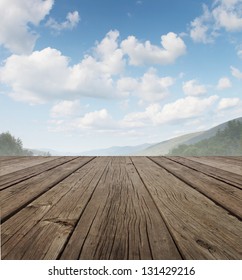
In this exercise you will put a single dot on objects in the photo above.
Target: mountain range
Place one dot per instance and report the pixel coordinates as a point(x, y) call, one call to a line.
point(157, 149)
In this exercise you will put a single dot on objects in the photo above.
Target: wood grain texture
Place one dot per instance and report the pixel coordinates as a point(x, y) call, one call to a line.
point(8, 166)
point(222, 175)
point(50, 219)
point(200, 228)
point(18, 196)
point(27, 171)
point(223, 163)
point(120, 208)
point(121, 221)
point(220, 192)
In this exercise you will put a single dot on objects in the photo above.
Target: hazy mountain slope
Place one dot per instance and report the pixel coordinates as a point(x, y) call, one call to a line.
point(226, 142)
point(162, 148)
point(211, 132)
point(165, 146)
point(116, 151)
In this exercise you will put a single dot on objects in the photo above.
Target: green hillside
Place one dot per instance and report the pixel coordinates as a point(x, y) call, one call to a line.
point(226, 142)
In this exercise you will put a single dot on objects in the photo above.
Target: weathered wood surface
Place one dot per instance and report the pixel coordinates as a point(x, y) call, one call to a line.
point(231, 164)
point(121, 208)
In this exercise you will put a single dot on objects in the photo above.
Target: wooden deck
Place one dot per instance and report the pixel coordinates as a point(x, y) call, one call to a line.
point(121, 208)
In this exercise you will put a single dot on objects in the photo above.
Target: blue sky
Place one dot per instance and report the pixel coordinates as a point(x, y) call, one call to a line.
point(84, 74)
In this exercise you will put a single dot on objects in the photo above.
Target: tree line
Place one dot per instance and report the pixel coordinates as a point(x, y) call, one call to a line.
point(227, 142)
point(11, 146)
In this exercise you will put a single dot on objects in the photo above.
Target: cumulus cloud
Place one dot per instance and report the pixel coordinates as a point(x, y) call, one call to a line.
point(236, 73)
point(228, 14)
point(71, 21)
point(226, 103)
point(154, 115)
point(200, 27)
point(184, 108)
point(141, 119)
point(109, 53)
point(193, 88)
point(37, 77)
point(223, 83)
point(47, 75)
point(66, 108)
point(98, 119)
point(146, 53)
point(15, 19)
point(149, 88)
point(153, 88)
point(224, 14)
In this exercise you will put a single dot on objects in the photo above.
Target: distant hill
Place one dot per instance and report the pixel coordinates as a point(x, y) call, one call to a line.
point(41, 153)
point(162, 148)
point(116, 151)
point(165, 147)
point(211, 132)
point(227, 141)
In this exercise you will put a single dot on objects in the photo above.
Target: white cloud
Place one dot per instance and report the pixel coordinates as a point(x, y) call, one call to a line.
point(193, 88)
point(224, 14)
point(141, 119)
point(228, 15)
point(226, 103)
point(154, 115)
point(15, 17)
point(236, 73)
point(37, 77)
point(46, 75)
point(200, 27)
point(239, 53)
point(98, 119)
point(224, 83)
point(66, 108)
point(109, 53)
point(185, 108)
point(71, 21)
point(146, 53)
point(149, 88)
point(152, 88)
point(127, 85)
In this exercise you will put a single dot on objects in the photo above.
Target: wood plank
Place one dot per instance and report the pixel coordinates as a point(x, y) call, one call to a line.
point(200, 228)
point(8, 166)
point(8, 158)
point(235, 167)
point(225, 176)
point(31, 169)
point(40, 230)
point(18, 196)
point(229, 159)
point(239, 158)
point(121, 221)
point(224, 194)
